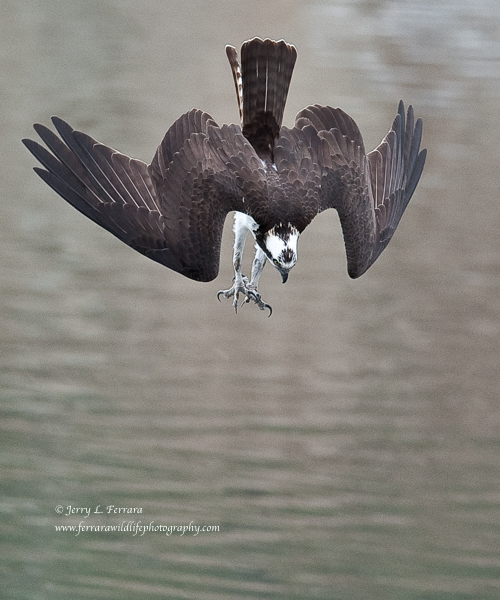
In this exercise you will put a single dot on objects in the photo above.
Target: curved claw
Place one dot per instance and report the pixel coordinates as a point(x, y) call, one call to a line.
point(249, 294)
point(256, 297)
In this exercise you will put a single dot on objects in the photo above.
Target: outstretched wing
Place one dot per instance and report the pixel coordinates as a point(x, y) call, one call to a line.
point(370, 192)
point(173, 210)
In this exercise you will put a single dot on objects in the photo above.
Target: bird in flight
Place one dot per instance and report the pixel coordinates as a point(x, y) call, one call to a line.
point(276, 179)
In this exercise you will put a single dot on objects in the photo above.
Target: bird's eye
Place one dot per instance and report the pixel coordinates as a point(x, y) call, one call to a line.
point(275, 262)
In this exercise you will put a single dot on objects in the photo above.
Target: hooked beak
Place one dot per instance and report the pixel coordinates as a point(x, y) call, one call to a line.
point(284, 276)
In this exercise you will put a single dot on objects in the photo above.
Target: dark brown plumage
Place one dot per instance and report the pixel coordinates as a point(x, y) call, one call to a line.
point(173, 210)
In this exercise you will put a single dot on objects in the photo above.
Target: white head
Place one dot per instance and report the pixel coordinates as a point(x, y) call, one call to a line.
point(281, 248)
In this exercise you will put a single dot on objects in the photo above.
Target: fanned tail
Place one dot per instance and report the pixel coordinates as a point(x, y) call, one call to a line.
point(262, 84)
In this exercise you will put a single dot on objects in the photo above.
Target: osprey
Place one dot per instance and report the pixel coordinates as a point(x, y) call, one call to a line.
point(276, 179)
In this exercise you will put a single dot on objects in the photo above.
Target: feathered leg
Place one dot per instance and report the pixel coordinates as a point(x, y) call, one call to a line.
point(242, 225)
point(259, 262)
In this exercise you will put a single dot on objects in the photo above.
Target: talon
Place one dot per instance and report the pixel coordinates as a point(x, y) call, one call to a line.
point(243, 287)
point(264, 306)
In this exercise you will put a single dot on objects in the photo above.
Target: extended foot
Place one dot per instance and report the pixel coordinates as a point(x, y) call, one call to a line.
point(242, 286)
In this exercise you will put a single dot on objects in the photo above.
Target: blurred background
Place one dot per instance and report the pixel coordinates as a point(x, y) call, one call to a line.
point(347, 447)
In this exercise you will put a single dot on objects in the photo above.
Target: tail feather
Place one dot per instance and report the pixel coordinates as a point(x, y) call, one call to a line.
point(232, 56)
point(262, 84)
